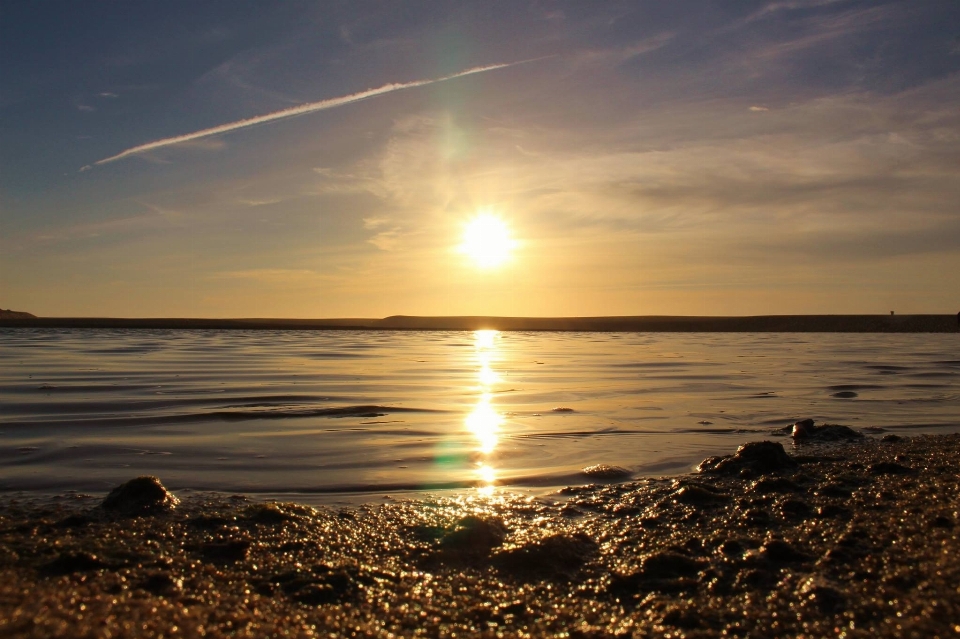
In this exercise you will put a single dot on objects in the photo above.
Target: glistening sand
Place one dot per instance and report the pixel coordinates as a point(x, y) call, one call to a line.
point(858, 540)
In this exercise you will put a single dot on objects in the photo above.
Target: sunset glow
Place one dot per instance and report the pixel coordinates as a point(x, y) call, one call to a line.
point(487, 241)
point(569, 159)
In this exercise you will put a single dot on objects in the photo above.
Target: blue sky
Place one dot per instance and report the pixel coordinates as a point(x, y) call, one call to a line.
point(648, 157)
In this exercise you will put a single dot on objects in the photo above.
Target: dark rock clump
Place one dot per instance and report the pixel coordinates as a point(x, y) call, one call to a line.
point(796, 508)
point(822, 595)
point(890, 468)
point(662, 571)
point(161, 583)
point(699, 495)
point(779, 551)
point(769, 485)
point(141, 496)
point(225, 551)
point(268, 514)
point(554, 556)
point(605, 472)
point(807, 430)
point(70, 562)
point(754, 458)
point(663, 565)
point(475, 534)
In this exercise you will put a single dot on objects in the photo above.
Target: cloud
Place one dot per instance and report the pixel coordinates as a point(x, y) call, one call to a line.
point(373, 223)
point(627, 52)
point(260, 201)
point(108, 94)
point(759, 108)
point(272, 275)
point(157, 219)
point(387, 240)
point(302, 109)
point(206, 145)
point(790, 5)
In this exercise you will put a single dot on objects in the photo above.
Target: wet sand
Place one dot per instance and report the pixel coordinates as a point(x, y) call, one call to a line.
point(852, 539)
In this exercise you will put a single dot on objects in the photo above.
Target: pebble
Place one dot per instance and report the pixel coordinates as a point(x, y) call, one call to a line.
point(70, 562)
point(732, 548)
point(664, 565)
point(161, 583)
point(603, 471)
point(889, 468)
point(141, 496)
point(829, 511)
point(268, 514)
point(769, 485)
point(755, 457)
point(553, 556)
point(806, 430)
point(796, 508)
point(225, 551)
point(822, 594)
point(663, 571)
point(315, 594)
point(695, 495)
point(779, 551)
point(474, 533)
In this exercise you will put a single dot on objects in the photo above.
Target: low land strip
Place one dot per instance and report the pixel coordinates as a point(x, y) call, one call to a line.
point(758, 323)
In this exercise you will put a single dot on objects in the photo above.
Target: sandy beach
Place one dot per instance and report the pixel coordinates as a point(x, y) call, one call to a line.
point(851, 539)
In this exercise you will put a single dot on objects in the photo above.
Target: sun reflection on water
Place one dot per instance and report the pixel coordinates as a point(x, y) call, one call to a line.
point(488, 480)
point(484, 421)
point(487, 375)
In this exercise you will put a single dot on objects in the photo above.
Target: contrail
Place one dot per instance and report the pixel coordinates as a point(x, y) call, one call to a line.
point(309, 107)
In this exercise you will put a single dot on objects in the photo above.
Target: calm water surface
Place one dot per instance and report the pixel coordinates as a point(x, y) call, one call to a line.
point(331, 414)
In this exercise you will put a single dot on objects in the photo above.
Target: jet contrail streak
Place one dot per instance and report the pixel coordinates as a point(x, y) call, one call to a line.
point(309, 107)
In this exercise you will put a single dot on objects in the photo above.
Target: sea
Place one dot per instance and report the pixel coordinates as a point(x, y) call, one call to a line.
point(364, 416)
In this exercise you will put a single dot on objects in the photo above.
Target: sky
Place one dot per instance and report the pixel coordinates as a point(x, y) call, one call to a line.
point(327, 159)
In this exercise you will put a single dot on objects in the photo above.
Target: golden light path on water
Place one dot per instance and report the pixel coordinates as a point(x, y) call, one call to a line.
point(484, 421)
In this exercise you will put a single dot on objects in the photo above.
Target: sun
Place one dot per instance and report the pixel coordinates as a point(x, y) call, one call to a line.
point(487, 240)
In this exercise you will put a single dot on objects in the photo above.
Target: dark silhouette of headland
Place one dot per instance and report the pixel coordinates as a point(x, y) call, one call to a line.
point(8, 314)
point(633, 323)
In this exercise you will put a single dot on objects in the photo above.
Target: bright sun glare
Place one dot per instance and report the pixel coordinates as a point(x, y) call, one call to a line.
point(487, 240)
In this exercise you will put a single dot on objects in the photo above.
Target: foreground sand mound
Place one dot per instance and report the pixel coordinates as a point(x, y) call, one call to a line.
point(853, 539)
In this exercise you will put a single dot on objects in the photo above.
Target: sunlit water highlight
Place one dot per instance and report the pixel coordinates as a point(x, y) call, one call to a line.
point(331, 414)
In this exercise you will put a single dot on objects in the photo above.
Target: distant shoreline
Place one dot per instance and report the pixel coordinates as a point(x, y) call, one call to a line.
point(652, 323)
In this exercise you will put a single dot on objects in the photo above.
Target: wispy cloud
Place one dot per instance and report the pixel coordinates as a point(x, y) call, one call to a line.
point(789, 5)
point(301, 109)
